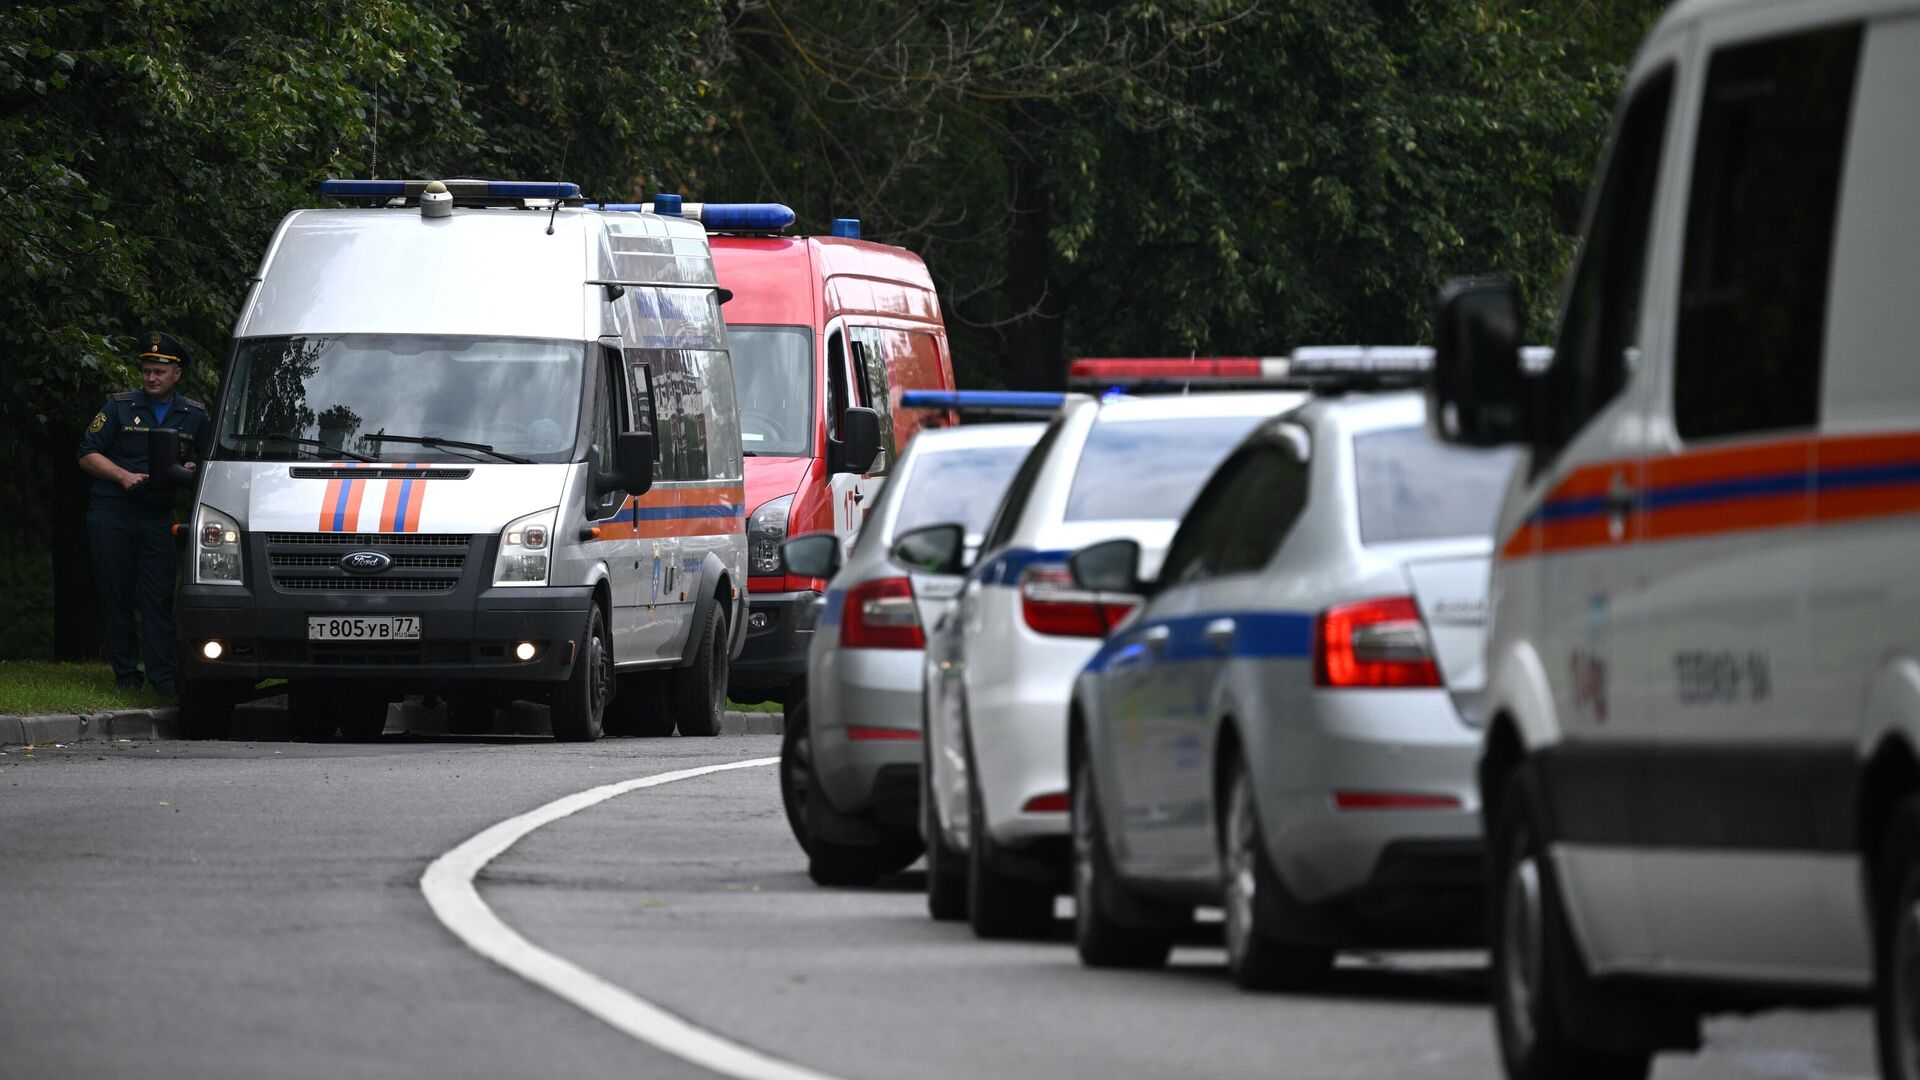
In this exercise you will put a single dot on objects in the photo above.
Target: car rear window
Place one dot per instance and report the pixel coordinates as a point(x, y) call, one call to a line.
point(1412, 487)
point(1150, 469)
point(961, 485)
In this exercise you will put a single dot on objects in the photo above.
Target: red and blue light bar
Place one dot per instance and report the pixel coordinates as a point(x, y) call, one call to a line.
point(1005, 401)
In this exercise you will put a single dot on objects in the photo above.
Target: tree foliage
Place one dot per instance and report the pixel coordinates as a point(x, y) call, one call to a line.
point(1128, 176)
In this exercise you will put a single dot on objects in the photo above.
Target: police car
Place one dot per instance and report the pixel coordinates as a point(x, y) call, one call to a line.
point(1272, 730)
point(850, 758)
point(1701, 764)
point(999, 673)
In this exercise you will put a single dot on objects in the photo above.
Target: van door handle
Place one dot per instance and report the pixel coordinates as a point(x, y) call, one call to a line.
point(1620, 502)
point(1155, 638)
point(1220, 633)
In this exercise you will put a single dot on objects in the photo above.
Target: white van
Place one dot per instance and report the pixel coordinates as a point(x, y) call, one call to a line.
point(1699, 771)
point(476, 441)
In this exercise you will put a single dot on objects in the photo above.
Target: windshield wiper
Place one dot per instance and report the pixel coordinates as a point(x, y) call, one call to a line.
point(275, 436)
point(435, 442)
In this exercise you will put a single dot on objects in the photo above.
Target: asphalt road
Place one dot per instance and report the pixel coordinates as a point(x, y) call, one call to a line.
point(212, 910)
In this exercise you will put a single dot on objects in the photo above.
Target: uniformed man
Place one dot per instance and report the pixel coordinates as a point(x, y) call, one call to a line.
point(129, 519)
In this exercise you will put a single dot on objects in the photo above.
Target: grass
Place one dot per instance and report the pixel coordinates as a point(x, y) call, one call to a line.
point(764, 706)
point(42, 687)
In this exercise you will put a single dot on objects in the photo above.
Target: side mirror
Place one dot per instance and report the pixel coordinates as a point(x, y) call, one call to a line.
point(933, 549)
point(1475, 397)
point(632, 464)
point(164, 470)
point(813, 555)
point(859, 439)
point(1112, 566)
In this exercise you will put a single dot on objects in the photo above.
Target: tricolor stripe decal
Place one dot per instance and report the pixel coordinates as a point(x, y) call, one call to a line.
point(401, 510)
point(681, 510)
point(1786, 483)
point(340, 506)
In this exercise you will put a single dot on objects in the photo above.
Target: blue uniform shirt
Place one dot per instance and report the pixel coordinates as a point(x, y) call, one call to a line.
point(119, 431)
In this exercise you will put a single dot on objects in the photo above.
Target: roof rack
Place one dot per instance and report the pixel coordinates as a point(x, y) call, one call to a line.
point(1014, 402)
point(465, 192)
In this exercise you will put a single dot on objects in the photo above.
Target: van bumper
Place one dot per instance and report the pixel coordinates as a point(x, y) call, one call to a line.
point(774, 660)
point(463, 636)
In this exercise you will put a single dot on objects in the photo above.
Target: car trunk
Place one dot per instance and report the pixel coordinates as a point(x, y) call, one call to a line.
point(1449, 584)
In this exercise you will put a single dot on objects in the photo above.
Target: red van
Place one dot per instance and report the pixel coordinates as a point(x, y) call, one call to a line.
point(823, 329)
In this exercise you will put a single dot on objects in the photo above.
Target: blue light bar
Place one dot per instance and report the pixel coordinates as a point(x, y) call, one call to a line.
point(848, 227)
point(666, 204)
point(363, 189)
point(746, 217)
point(1029, 401)
point(521, 189)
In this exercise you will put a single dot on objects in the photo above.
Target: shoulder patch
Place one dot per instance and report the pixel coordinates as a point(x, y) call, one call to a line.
point(128, 396)
point(196, 404)
point(99, 421)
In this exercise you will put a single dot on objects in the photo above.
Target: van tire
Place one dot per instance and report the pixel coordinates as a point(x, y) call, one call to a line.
point(1534, 1036)
point(206, 708)
point(700, 688)
point(640, 706)
point(580, 703)
point(1258, 956)
point(1896, 943)
point(1101, 936)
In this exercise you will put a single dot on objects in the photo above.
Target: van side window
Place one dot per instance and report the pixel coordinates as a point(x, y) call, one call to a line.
point(1766, 176)
point(837, 400)
point(606, 423)
point(1007, 518)
point(1602, 317)
point(870, 368)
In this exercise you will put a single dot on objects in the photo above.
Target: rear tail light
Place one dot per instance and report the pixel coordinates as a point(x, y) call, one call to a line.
point(1053, 802)
point(880, 615)
point(1051, 604)
point(1373, 643)
point(1393, 800)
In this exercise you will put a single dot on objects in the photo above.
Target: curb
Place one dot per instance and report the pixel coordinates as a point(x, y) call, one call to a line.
point(253, 723)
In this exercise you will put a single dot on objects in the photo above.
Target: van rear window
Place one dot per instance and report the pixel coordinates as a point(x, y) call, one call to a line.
point(1414, 488)
point(1149, 470)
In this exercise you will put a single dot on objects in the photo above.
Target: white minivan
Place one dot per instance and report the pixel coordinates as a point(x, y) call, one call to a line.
point(473, 440)
point(1699, 766)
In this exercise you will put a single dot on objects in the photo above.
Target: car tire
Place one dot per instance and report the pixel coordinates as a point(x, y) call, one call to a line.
point(1102, 938)
point(1535, 962)
point(312, 712)
point(1896, 925)
point(1258, 956)
point(946, 868)
point(999, 905)
point(796, 770)
point(640, 706)
point(362, 717)
point(206, 708)
point(700, 689)
point(580, 703)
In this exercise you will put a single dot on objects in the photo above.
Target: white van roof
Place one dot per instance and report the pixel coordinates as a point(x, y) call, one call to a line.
point(1816, 11)
point(481, 272)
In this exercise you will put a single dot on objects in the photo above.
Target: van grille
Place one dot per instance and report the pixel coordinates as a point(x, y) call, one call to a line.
point(422, 562)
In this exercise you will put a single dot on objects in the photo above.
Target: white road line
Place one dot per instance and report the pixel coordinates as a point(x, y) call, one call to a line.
point(448, 885)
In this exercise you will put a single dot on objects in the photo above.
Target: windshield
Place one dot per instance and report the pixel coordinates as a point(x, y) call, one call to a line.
point(1150, 469)
point(1412, 487)
point(961, 485)
point(520, 397)
point(773, 376)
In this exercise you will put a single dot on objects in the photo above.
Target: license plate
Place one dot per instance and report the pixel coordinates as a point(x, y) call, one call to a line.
point(363, 628)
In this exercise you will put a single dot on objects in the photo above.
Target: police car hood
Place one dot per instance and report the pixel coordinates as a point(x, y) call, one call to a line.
point(349, 497)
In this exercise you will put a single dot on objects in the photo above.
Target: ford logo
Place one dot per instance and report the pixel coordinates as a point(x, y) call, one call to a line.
point(365, 562)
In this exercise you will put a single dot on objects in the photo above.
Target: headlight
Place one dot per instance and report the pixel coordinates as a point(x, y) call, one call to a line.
point(525, 545)
point(766, 531)
point(216, 548)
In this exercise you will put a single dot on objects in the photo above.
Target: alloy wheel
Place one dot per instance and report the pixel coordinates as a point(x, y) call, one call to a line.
point(1523, 945)
point(1241, 884)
